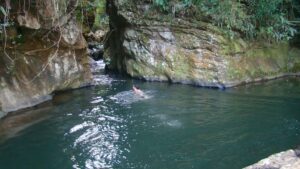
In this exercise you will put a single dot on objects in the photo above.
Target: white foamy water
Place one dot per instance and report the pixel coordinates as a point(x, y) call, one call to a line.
point(97, 100)
point(99, 76)
point(97, 66)
point(128, 97)
point(81, 126)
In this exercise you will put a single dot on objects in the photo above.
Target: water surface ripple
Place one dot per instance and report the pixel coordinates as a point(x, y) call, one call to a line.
point(175, 127)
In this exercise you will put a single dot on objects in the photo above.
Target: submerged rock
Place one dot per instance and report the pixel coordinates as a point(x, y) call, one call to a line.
point(186, 50)
point(285, 160)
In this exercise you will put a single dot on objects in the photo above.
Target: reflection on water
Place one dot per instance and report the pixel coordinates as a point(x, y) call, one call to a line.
point(97, 137)
point(176, 127)
point(96, 140)
point(13, 124)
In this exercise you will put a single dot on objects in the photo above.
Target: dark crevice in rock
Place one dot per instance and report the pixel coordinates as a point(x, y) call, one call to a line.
point(117, 23)
point(96, 50)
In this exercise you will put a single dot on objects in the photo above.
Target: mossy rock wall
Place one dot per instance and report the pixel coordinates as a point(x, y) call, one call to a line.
point(186, 50)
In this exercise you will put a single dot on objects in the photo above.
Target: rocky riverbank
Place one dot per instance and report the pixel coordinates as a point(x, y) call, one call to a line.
point(284, 160)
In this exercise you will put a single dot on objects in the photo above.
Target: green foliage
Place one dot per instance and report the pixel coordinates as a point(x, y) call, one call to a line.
point(162, 4)
point(266, 19)
point(3, 11)
point(229, 15)
point(92, 13)
point(280, 30)
point(99, 13)
point(264, 11)
point(270, 17)
point(4, 20)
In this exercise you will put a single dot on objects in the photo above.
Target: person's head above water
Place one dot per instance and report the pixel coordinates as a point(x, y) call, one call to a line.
point(137, 90)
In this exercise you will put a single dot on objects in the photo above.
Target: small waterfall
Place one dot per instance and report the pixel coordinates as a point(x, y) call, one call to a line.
point(98, 65)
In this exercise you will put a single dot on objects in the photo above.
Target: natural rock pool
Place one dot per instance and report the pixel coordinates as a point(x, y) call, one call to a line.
point(176, 127)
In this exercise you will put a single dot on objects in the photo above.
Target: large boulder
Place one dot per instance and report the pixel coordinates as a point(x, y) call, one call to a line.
point(44, 52)
point(157, 47)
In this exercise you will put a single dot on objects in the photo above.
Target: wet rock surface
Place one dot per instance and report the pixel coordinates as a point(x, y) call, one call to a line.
point(186, 50)
point(285, 160)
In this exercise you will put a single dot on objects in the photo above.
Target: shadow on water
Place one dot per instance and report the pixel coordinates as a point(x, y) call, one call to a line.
point(14, 123)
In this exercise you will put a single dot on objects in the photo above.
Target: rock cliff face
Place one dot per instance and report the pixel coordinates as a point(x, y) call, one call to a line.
point(44, 52)
point(155, 47)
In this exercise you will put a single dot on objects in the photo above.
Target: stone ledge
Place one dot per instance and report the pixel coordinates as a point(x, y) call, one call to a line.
point(289, 159)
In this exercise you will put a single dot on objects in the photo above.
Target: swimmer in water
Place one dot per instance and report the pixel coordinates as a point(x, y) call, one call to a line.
point(138, 91)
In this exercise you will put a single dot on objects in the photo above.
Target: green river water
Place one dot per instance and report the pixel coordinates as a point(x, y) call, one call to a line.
point(175, 127)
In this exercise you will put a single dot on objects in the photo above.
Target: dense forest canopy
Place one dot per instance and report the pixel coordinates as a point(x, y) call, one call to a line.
point(273, 20)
